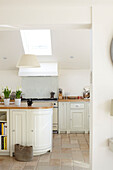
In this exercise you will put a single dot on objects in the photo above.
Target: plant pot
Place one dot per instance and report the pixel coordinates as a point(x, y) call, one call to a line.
point(6, 102)
point(18, 102)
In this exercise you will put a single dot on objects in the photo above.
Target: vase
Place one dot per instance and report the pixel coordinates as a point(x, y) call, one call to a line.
point(6, 102)
point(17, 102)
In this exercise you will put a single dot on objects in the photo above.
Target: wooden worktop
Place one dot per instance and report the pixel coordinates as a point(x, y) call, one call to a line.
point(25, 106)
point(73, 100)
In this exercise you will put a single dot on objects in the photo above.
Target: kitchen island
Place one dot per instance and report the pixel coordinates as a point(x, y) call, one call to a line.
point(29, 125)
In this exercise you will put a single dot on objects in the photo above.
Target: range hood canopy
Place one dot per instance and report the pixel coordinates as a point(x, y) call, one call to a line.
point(45, 69)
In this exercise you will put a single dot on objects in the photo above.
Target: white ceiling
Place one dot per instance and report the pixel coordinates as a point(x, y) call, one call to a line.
point(65, 43)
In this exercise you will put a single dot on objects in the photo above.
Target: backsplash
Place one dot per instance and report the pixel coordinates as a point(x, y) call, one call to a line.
point(39, 87)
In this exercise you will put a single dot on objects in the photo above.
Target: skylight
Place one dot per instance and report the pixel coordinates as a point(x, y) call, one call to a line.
point(36, 42)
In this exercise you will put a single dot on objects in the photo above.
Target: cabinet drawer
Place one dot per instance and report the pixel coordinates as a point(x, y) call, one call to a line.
point(77, 105)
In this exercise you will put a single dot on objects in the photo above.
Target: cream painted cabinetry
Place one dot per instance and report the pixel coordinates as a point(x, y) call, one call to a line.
point(77, 120)
point(31, 127)
point(63, 116)
point(40, 130)
point(73, 117)
point(18, 128)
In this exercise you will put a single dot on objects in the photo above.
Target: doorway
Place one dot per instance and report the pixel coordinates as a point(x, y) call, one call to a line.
point(70, 148)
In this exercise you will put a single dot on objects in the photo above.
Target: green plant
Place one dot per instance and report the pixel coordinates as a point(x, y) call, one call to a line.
point(18, 94)
point(6, 92)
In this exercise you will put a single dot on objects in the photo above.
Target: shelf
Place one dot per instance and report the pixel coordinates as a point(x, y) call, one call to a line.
point(3, 150)
point(3, 135)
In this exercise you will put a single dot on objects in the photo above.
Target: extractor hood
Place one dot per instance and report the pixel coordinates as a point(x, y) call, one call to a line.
point(45, 69)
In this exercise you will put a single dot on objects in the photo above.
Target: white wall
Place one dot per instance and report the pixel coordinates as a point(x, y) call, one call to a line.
point(73, 81)
point(102, 157)
point(9, 78)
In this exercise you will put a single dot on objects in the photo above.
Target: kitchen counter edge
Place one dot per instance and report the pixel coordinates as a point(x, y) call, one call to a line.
point(24, 107)
point(73, 100)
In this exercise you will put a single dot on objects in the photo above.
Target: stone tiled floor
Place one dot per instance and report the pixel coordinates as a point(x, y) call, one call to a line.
point(69, 151)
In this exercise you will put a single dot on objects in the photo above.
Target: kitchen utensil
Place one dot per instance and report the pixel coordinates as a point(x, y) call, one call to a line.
point(86, 93)
point(52, 94)
point(29, 102)
point(60, 94)
point(13, 95)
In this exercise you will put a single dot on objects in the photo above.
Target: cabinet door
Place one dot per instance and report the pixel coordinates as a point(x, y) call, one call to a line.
point(18, 127)
point(62, 116)
point(40, 129)
point(77, 120)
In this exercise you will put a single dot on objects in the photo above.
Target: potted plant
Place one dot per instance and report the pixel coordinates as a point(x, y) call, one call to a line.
point(6, 92)
point(18, 97)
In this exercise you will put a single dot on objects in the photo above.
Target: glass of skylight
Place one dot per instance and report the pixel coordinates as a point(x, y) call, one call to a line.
point(36, 42)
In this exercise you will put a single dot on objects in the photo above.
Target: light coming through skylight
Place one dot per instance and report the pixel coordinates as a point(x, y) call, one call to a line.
point(36, 42)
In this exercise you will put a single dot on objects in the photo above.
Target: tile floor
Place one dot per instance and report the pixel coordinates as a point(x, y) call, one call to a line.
point(70, 152)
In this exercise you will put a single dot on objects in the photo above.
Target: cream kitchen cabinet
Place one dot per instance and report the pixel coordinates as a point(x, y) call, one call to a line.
point(63, 116)
point(77, 114)
point(18, 128)
point(31, 127)
point(40, 130)
point(73, 117)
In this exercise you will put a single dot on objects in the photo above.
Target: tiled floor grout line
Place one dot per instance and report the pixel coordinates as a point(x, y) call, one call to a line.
point(37, 163)
point(65, 150)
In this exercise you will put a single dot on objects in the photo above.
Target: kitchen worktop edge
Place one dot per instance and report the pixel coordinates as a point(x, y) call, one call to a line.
point(73, 100)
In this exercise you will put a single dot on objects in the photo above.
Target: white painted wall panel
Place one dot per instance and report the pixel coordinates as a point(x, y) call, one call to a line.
point(102, 127)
